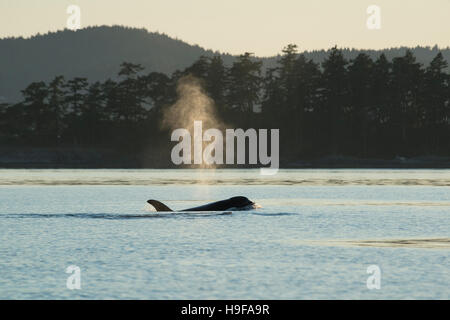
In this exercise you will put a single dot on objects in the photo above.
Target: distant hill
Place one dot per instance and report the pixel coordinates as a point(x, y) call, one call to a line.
point(97, 52)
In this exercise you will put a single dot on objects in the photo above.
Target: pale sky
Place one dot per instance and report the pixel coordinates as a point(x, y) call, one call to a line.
point(235, 26)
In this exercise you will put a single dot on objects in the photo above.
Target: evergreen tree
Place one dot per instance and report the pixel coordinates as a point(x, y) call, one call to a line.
point(75, 100)
point(37, 113)
point(216, 82)
point(382, 106)
point(130, 91)
point(76, 89)
point(244, 84)
point(361, 101)
point(406, 80)
point(57, 109)
point(199, 68)
point(335, 99)
point(435, 108)
point(93, 115)
point(308, 77)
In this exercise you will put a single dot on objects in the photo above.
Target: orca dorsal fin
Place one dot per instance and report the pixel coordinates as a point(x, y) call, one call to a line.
point(159, 206)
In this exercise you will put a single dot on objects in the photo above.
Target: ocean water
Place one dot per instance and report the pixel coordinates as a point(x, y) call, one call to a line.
point(315, 236)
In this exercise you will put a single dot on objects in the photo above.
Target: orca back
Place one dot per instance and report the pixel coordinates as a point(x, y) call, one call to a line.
point(234, 202)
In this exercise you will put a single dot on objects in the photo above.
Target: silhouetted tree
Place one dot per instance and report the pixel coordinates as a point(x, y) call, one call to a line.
point(307, 100)
point(244, 84)
point(199, 68)
point(382, 106)
point(130, 91)
point(406, 80)
point(74, 98)
point(57, 109)
point(37, 114)
point(93, 116)
point(335, 99)
point(216, 82)
point(360, 112)
point(158, 90)
point(362, 107)
point(435, 105)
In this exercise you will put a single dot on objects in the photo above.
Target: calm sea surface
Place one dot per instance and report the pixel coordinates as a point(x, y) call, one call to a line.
point(314, 237)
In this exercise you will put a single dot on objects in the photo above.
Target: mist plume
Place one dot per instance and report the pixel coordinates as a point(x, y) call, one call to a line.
point(193, 104)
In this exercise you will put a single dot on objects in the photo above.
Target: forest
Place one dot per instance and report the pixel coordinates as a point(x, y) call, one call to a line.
point(363, 107)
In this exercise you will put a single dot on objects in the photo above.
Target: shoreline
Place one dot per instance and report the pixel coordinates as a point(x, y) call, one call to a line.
point(104, 158)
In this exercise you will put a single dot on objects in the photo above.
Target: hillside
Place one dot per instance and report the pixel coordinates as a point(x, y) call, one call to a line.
point(95, 53)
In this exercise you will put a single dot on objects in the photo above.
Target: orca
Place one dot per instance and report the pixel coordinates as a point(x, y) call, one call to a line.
point(232, 204)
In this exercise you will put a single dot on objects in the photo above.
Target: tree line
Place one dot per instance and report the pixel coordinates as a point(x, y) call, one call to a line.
point(364, 107)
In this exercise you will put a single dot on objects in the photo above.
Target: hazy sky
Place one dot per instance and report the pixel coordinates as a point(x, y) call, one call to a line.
point(236, 26)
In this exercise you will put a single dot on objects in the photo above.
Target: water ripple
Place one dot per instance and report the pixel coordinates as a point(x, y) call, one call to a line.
point(112, 216)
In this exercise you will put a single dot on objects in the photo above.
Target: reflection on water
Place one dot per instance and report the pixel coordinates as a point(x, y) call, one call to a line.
point(429, 243)
point(357, 202)
point(314, 177)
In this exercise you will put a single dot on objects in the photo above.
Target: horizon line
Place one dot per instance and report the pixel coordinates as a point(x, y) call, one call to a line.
point(175, 38)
